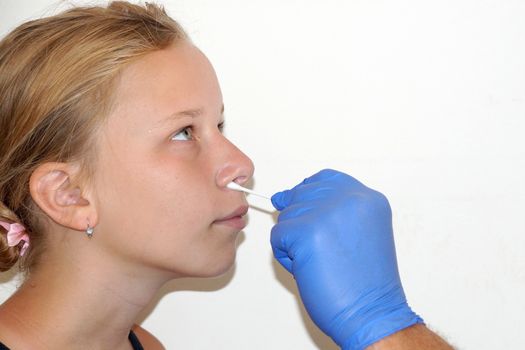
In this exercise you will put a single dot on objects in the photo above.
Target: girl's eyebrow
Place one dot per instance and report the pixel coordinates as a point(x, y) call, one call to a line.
point(188, 113)
point(177, 115)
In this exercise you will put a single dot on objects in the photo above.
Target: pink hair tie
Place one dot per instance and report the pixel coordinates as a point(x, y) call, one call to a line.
point(15, 234)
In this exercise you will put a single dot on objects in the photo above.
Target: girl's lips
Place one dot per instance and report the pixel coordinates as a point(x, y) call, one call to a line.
point(235, 219)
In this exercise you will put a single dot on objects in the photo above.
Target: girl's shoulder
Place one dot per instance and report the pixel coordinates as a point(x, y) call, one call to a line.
point(148, 340)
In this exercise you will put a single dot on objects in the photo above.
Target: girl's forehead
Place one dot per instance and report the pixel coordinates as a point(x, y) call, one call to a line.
point(181, 70)
point(174, 81)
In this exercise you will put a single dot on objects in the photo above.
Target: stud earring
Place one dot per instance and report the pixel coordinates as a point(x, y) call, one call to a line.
point(89, 230)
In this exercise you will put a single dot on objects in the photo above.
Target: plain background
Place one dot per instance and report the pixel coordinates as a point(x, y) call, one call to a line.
point(421, 100)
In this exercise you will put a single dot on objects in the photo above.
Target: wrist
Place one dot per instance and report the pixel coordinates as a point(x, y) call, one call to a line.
point(382, 326)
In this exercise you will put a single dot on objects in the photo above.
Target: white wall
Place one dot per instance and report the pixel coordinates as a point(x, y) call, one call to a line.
point(422, 100)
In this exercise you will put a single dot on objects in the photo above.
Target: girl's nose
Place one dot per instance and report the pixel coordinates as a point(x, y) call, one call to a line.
point(236, 166)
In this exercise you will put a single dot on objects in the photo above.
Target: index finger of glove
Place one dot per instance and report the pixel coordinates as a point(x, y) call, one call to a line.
point(282, 199)
point(301, 194)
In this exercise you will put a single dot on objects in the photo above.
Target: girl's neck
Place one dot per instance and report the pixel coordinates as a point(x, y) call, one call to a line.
point(73, 305)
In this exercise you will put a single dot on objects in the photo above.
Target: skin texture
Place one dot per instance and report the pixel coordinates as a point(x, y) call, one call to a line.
point(155, 202)
point(417, 337)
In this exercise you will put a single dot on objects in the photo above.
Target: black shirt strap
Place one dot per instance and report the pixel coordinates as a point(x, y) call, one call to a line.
point(134, 341)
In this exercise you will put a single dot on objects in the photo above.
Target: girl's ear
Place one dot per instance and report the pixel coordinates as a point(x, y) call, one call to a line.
point(52, 189)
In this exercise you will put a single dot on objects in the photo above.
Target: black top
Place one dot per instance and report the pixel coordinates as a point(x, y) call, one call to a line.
point(132, 338)
point(134, 341)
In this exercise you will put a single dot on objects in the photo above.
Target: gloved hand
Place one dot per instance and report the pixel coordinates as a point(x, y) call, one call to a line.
point(334, 235)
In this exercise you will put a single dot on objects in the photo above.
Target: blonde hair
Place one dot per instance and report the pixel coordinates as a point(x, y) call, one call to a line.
point(57, 82)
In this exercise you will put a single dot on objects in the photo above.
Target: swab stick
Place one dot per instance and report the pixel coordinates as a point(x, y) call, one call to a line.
point(236, 187)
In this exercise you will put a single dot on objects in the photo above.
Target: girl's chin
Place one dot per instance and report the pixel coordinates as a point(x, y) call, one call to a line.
point(217, 268)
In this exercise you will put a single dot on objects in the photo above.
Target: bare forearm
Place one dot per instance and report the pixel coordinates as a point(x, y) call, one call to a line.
point(417, 337)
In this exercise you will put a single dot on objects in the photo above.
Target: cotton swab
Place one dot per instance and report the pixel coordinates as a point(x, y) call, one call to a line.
point(236, 187)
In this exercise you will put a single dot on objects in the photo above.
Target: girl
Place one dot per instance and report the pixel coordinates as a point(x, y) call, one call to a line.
point(110, 137)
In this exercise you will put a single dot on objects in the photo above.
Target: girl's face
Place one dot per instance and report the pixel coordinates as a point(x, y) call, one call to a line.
point(164, 165)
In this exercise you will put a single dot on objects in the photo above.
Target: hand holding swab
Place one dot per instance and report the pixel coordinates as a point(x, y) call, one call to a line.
point(236, 187)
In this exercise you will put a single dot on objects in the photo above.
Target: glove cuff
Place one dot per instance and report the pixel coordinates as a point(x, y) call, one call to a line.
point(381, 328)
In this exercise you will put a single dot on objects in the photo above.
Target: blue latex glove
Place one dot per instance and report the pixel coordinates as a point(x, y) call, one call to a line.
point(334, 235)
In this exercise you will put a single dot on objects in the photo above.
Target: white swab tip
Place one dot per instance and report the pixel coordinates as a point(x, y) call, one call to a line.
point(235, 186)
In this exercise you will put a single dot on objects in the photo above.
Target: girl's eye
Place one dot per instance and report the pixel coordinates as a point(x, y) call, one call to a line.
point(185, 134)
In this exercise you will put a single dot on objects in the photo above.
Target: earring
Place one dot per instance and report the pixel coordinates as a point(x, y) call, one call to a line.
point(89, 230)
